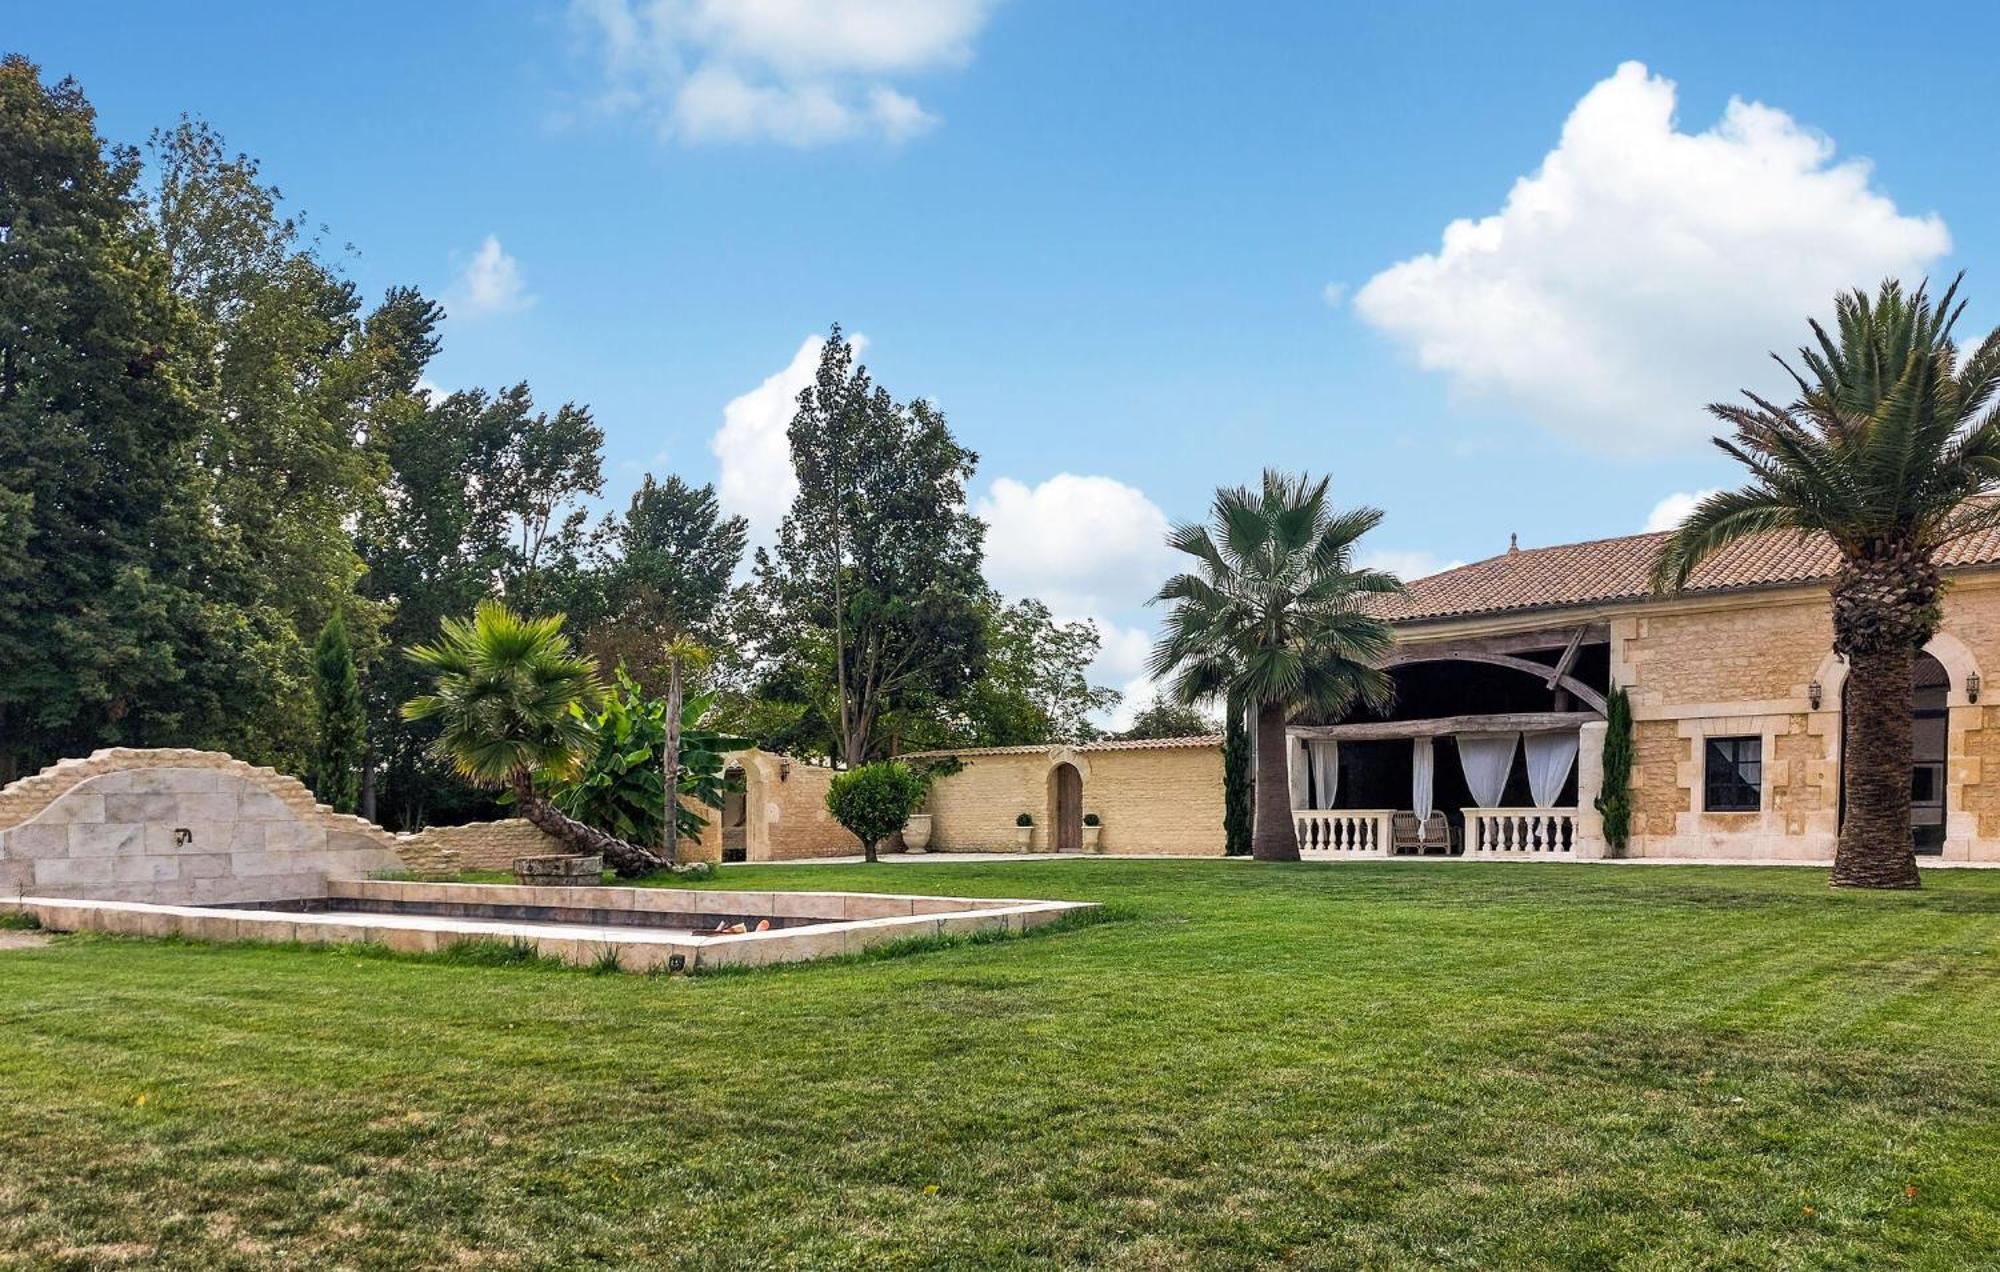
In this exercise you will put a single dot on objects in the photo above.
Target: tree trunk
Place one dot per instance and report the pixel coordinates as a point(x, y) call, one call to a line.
point(670, 792)
point(1272, 835)
point(367, 808)
point(1876, 849)
point(626, 859)
point(868, 851)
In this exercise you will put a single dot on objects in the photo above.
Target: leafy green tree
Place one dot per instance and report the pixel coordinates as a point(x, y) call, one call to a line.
point(1615, 802)
point(1274, 615)
point(343, 720)
point(284, 392)
point(874, 801)
point(447, 534)
point(877, 550)
point(1165, 718)
point(1888, 451)
point(1033, 687)
point(675, 555)
point(510, 699)
point(97, 428)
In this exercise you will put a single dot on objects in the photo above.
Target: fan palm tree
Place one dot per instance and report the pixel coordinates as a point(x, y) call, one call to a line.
point(1274, 617)
point(506, 686)
point(1887, 451)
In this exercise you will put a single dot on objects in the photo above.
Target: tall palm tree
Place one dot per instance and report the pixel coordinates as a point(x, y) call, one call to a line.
point(506, 686)
point(1274, 616)
point(1887, 451)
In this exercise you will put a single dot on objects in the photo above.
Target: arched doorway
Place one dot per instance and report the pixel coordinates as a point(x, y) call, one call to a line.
point(1066, 808)
point(1930, 691)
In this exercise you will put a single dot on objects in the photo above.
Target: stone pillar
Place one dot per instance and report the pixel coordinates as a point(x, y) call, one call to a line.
point(1590, 845)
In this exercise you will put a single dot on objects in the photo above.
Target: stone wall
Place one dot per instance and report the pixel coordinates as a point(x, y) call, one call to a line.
point(173, 826)
point(1153, 800)
point(478, 846)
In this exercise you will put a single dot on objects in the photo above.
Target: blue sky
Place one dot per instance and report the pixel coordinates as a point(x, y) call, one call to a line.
point(1105, 236)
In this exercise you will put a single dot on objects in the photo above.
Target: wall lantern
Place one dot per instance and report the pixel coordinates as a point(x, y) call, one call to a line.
point(1972, 687)
point(1813, 693)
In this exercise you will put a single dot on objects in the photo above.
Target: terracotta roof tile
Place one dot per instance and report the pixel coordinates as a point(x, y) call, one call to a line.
point(1607, 571)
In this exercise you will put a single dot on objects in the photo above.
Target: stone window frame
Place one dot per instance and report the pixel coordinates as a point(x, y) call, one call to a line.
point(1708, 740)
point(1693, 774)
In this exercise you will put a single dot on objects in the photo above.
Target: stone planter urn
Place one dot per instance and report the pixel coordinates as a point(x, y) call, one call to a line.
point(1024, 837)
point(567, 871)
point(1090, 834)
point(917, 832)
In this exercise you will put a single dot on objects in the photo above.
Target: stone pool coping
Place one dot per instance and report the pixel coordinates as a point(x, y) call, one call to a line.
point(850, 922)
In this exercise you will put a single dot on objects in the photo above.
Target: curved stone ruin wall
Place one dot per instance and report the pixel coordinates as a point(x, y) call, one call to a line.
point(177, 827)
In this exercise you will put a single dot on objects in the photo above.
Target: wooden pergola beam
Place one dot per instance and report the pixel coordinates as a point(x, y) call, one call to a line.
point(1507, 722)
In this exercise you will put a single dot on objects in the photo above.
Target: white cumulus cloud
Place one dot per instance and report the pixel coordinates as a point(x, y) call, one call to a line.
point(752, 450)
point(1084, 545)
point(801, 72)
point(490, 283)
point(1671, 511)
point(1643, 271)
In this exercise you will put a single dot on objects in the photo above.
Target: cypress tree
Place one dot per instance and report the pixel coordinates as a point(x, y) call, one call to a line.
point(1616, 800)
point(1236, 785)
point(343, 730)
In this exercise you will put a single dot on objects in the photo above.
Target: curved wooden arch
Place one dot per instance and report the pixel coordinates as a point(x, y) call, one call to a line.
point(1582, 692)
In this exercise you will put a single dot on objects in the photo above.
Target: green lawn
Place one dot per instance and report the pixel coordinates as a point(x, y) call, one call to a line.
point(1392, 1065)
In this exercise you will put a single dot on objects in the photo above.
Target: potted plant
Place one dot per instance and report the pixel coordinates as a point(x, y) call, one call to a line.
point(1091, 828)
point(1024, 832)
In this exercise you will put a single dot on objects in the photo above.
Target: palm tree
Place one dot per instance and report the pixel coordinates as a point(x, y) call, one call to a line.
point(1274, 617)
point(1887, 451)
point(506, 686)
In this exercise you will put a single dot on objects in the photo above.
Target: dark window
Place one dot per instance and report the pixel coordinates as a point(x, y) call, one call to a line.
point(1735, 775)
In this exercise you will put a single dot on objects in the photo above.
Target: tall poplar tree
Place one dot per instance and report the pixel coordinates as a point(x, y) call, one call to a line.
point(878, 551)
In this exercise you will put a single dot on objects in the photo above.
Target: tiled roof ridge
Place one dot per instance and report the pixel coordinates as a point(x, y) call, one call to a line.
point(1102, 744)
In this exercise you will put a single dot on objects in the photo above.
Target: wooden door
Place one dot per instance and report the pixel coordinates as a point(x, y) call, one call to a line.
point(1069, 809)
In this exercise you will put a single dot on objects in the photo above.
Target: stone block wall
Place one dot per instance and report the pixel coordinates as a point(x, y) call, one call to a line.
point(479, 846)
point(1155, 800)
point(174, 826)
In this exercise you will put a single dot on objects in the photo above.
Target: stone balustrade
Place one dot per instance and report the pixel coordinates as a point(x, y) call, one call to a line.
point(1514, 833)
point(1344, 832)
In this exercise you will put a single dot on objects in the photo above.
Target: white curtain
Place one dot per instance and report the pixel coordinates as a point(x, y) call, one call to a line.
point(1486, 759)
point(1550, 756)
point(1325, 772)
point(1295, 768)
point(1423, 768)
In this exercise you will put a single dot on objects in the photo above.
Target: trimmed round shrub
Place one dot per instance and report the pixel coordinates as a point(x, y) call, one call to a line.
point(874, 801)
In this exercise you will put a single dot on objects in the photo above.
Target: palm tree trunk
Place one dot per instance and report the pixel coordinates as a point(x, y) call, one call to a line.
point(1272, 835)
point(1875, 849)
point(626, 859)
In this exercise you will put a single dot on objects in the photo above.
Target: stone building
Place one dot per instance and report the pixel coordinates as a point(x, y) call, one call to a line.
point(1502, 668)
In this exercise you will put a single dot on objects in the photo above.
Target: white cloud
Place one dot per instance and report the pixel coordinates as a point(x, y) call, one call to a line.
point(754, 454)
point(1642, 272)
point(1406, 563)
point(802, 72)
point(489, 284)
point(1084, 545)
point(1671, 511)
